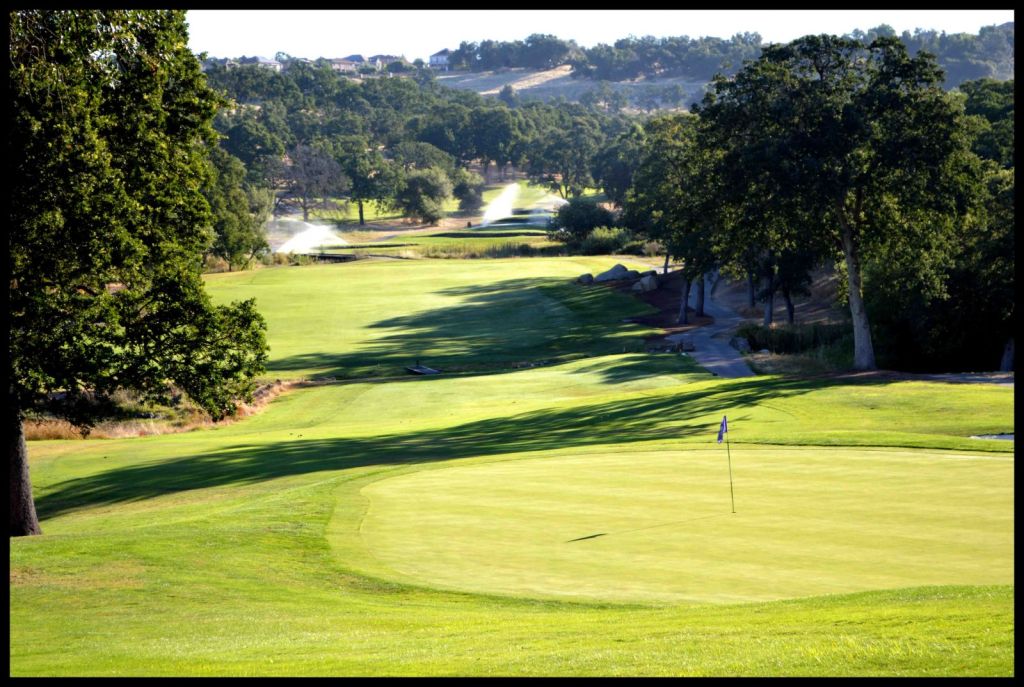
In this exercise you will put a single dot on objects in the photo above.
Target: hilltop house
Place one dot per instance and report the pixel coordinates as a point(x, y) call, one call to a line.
point(261, 62)
point(343, 64)
point(297, 61)
point(439, 60)
point(382, 61)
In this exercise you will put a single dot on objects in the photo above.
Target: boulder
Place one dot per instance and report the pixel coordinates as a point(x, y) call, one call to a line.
point(740, 343)
point(615, 273)
point(632, 274)
point(648, 272)
point(585, 279)
point(645, 284)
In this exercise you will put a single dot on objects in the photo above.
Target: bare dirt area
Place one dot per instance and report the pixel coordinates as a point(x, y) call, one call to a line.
point(1000, 378)
point(820, 307)
point(666, 299)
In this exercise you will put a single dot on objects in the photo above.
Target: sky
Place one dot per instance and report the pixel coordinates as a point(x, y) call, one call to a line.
point(420, 33)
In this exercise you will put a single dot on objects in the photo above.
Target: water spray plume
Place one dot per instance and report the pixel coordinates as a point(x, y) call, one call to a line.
point(501, 206)
point(312, 239)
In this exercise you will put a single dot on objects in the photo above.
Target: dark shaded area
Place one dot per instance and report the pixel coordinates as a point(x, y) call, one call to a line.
point(589, 536)
point(625, 421)
point(643, 367)
point(418, 369)
point(497, 325)
point(485, 234)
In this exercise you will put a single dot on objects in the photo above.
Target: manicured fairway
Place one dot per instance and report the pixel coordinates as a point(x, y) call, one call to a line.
point(446, 525)
point(375, 317)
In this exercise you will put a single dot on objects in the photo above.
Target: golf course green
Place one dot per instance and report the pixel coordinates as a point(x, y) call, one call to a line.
point(554, 503)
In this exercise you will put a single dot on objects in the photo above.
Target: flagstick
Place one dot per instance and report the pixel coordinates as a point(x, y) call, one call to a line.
point(729, 455)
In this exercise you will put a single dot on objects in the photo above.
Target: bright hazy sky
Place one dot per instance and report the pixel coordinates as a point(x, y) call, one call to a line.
point(420, 33)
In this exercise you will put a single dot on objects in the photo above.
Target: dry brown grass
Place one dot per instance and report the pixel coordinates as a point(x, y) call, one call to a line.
point(789, 365)
point(42, 429)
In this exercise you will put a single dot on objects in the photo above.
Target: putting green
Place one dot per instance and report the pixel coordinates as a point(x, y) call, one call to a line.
point(649, 526)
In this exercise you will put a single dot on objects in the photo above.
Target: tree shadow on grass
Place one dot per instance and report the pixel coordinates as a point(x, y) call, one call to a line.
point(644, 366)
point(494, 325)
point(625, 421)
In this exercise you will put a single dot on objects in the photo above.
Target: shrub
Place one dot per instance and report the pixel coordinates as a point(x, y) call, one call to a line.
point(796, 338)
point(606, 240)
point(213, 264)
point(468, 189)
point(424, 194)
point(652, 249)
point(576, 219)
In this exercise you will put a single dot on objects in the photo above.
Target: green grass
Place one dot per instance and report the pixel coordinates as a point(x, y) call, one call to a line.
point(616, 524)
point(483, 242)
point(423, 526)
point(348, 213)
point(375, 317)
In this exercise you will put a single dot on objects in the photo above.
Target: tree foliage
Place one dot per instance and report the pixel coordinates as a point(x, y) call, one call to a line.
point(574, 221)
point(240, 211)
point(855, 145)
point(424, 194)
point(110, 131)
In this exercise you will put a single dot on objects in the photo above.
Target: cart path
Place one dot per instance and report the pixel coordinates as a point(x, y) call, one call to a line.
point(711, 342)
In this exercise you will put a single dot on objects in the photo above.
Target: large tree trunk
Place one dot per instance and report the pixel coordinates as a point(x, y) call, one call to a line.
point(361, 222)
point(23, 507)
point(750, 289)
point(863, 351)
point(790, 315)
point(1006, 364)
point(685, 299)
point(769, 299)
point(700, 296)
point(664, 270)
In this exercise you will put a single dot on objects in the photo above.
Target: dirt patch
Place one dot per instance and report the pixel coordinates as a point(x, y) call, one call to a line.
point(533, 79)
point(113, 575)
point(665, 299)
point(820, 307)
point(1001, 378)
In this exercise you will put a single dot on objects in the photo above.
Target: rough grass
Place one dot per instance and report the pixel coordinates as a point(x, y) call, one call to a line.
point(322, 536)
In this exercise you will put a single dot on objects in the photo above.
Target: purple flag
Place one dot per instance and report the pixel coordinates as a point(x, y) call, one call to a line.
point(723, 429)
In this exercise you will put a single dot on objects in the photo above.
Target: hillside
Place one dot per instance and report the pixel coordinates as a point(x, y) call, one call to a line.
point(642, 69)
point(547, 85)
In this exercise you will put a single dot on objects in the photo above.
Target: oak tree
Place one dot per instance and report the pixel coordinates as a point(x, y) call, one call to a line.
point(109, 135)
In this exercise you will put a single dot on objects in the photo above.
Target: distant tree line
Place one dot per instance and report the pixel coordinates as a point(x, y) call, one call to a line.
point(686, 182)
point(962, 56)
point(309, 135)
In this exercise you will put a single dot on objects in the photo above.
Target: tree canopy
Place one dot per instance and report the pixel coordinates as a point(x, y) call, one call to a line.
point(855, 144)
point(108, 159)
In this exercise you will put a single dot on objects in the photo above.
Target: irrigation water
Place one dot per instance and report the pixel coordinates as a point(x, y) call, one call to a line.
point(501, 206)
point(302, 237)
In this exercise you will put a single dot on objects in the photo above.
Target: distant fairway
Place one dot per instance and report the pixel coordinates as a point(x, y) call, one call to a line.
point(446, 525)
point(642, 526)
point(375, 317)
